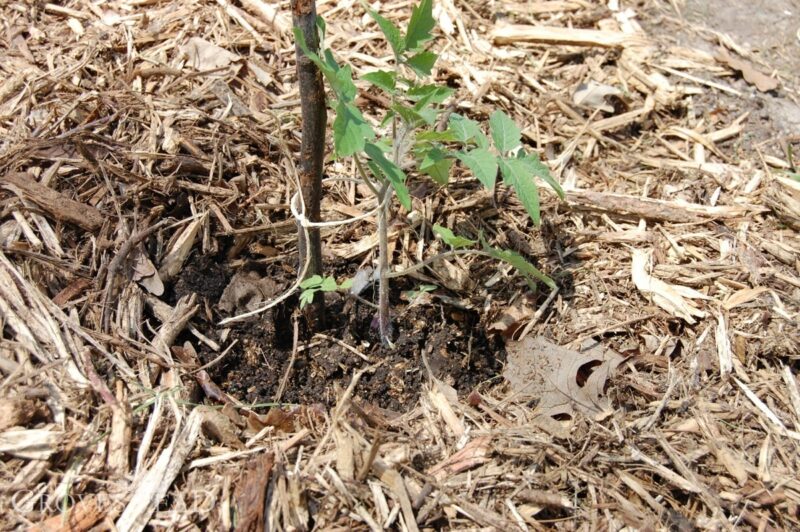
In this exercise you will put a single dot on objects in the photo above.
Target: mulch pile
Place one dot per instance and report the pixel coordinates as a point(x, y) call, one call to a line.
point(137, 136)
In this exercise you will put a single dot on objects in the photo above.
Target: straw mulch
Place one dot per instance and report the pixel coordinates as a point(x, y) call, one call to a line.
point(138, 135)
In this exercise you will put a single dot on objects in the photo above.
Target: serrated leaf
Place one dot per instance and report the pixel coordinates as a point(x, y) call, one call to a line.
point(392, 172)
point(350, 130)
point(422, 63)
point(420, 25)
point(505, 133)
point(528, 270)
point(539, 169)
point(451, 239)
point(328, 284)
point(410, 116)
point(307, 297)
point(517, 174)
point(393, 35)
point(383, 79)
point(312, 282)
point(436, 164)
point(425, 94)
point(342, 84)
point(482, 163)
point(467, 129)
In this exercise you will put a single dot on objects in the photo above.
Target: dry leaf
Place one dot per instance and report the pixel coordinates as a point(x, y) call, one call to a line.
point(762, 82)
point(670, 297)
point(204, 55)
point(564, 380)
point(219, 427)
point(512, 318)
point(145, 273)
point(246, 291)
point(594, 94)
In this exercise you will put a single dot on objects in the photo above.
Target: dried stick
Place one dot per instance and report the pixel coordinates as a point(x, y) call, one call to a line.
point(312, 149)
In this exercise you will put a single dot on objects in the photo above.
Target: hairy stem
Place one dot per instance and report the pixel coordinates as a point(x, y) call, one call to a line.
point(312, 150)
point(384, 320)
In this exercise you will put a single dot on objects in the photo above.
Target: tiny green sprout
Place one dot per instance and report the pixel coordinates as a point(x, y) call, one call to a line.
point(411, 295)
point(318, 283)
point(451, 239)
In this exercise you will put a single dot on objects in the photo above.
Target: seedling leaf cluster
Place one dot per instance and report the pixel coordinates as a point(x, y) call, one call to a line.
point(417, 135)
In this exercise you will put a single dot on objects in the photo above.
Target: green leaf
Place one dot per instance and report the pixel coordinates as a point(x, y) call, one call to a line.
point(451, 239)
point(307, 297)
point(321, 28)
point(301, 41)
point(342, 83)
point(482, 163)
point(420, 25)
point(517, 173)
point(425, 94)
point(428, 115)
point(539, 169)
point(505, 133)
point(346, 284)
point(312, 282)
point(410, 116)
point(466, 130)
point(436, 164)
point(330, 60)
point(328, 285)
point(528, 270)
point(422, 63)
point(339, 78)
point(437, 136)
point(350, 130)
point(383, 79)
point(392, 172)
point(390, 31)
point(411, 295)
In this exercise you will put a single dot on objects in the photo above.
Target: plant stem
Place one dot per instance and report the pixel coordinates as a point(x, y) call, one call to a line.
point(312, 150)
point(384, 320)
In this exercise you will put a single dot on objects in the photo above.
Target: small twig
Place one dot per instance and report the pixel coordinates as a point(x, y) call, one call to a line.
point(373, 452)
point(285, 379)
point(538, 315)
point(345, 345)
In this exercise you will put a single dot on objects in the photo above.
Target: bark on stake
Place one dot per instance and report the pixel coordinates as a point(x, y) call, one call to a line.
point(312, 150)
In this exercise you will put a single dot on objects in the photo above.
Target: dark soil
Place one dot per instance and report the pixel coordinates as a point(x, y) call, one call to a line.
point(452, 340)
